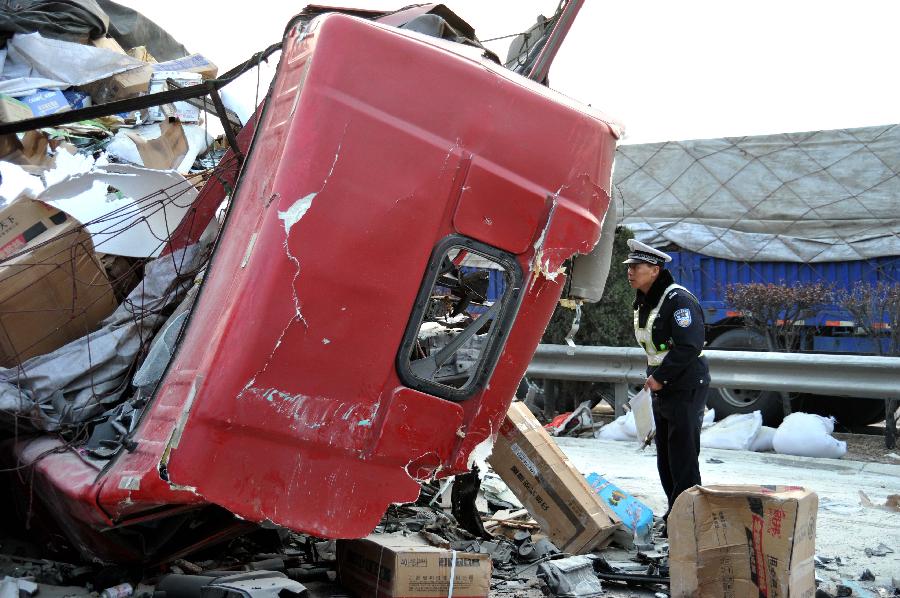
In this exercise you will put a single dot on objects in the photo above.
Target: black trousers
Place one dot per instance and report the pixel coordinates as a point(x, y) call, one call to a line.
point(678, 416)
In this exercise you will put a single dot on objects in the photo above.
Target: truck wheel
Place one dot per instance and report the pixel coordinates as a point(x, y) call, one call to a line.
point(849, 412)
point(728, 401)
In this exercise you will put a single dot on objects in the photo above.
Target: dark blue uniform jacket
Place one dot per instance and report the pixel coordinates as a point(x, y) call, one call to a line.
point(679, 327)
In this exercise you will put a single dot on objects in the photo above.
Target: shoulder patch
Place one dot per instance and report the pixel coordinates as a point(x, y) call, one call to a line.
point(683, 317)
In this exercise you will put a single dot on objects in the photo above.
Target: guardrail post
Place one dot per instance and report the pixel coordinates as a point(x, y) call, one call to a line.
point(551, 397)
point(621, 394)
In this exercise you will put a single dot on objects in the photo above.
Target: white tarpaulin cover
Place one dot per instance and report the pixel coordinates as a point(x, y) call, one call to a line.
point(30, 62)
point(821, 196)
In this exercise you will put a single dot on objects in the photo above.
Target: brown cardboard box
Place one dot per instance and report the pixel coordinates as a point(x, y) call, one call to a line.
point(13, 110)
point(743, 541)
point(549, 486)
point(52, 294)
point(122, 86)
point(166, 151)
point(397, 566)
point(22, 222)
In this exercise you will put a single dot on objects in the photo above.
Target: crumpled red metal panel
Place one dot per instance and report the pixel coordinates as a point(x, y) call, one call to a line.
point(297, 415)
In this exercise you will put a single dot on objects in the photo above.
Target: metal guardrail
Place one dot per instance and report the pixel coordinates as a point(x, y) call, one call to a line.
point(815, 373)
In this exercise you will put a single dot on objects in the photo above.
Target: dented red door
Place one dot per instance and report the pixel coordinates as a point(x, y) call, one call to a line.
point(380, 159)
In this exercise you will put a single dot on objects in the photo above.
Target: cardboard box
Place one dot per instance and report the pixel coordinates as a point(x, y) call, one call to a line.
point(53, 293)
point(141, 53)
point(122, 86)
point(46, 101)
point(108, 43)
point(743, 541)
point(397, 566)
point(195, 63)
point(25, 221)
point(548, 485)
point(12, 110)
point(167, 151)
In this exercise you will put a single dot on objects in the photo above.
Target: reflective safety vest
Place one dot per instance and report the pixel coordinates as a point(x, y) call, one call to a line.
point(644, 336)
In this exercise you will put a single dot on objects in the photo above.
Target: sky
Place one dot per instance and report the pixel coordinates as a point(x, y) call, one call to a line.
point(666, 70)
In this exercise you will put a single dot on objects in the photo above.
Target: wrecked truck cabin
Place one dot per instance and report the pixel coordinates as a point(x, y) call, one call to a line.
point(339, 346)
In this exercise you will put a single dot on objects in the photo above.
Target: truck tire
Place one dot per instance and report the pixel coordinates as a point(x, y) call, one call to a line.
point(728, 401)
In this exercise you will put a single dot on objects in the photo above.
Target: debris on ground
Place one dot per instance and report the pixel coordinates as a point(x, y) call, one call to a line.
point(571, 577)
point(552, 490)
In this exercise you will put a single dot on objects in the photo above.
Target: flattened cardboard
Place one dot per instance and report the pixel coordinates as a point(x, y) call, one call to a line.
point(397, 566)
point(54, 293)
point(548, 485)
point(166, 151)
point(195, 63)
point(743, 541)
point(13, 110)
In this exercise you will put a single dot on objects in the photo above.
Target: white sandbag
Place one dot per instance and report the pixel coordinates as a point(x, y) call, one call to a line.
point(808, 435)
point(763, 440)
point(735, 432)
point(709, 418)
point(642, 408)
point(622, 428)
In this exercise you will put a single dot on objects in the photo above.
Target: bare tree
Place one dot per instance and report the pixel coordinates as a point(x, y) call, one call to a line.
point(776, 311)
point(875, 307)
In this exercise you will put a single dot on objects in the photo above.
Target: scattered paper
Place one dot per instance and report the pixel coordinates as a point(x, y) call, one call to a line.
point(15, 182)
point(127, 210)
point(34, 62)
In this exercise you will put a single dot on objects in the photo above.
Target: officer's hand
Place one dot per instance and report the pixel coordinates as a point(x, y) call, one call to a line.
point(652, 384)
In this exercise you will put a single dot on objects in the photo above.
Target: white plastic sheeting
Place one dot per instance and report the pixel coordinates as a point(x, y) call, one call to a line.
point(31, 62)
point(796, 197)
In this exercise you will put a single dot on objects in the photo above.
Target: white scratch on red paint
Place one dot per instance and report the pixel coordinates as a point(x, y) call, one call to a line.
point(453, 148)
point(291, 217)
point(293, 214)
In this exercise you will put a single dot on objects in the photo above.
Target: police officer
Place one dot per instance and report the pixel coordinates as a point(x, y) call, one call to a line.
point(669, 326)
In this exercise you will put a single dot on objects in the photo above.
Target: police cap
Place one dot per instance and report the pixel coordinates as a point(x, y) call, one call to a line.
point(641, 253)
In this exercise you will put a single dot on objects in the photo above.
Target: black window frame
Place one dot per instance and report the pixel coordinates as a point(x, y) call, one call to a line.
point(499, 331)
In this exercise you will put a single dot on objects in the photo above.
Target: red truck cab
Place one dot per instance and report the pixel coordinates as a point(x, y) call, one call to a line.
point(388, 175)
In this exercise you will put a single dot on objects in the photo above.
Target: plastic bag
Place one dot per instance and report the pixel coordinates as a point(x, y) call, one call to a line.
point(642, 408)
point(808, 435)
point(763, 440)
point(735, 432)
point(622, 428)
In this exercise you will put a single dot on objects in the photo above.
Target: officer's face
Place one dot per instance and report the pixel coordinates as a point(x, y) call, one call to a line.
point(642, 275)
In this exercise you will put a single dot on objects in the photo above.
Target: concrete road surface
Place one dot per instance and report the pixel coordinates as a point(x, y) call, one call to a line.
point(845, 528)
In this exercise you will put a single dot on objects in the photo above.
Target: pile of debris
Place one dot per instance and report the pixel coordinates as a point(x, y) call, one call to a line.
point(101, 237)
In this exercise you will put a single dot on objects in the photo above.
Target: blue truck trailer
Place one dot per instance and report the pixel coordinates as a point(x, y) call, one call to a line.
point(812, 207)
point(828, 329)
